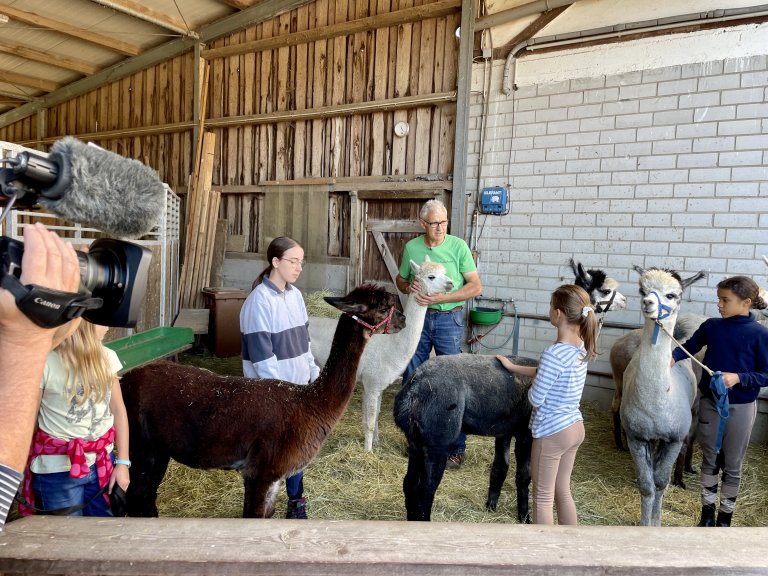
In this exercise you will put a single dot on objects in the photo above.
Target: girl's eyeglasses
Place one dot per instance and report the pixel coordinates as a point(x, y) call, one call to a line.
point(295, 261)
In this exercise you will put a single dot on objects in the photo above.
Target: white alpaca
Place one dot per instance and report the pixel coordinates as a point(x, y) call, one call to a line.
point(657, 398)
point(384, 359)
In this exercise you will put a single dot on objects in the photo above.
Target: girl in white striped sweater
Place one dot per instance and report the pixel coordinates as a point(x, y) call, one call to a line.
point(557, 425)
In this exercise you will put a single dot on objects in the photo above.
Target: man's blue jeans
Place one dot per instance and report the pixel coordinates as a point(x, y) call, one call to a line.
point(444, 332)
point(59, 490)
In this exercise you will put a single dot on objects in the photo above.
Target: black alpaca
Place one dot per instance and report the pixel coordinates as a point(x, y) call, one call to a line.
point(448, 394)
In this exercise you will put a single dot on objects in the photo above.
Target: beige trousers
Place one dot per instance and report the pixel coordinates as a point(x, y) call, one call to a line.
point(552, 461)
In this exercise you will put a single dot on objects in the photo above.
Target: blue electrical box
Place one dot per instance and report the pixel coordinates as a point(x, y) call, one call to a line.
point(494, 200)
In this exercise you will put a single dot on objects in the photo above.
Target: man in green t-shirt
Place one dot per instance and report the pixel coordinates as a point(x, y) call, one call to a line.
point(444, 323)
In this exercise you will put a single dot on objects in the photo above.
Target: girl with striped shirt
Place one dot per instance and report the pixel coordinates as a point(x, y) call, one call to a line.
point(556, 424)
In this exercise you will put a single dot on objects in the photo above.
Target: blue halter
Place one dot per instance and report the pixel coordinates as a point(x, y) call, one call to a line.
point(664, 312)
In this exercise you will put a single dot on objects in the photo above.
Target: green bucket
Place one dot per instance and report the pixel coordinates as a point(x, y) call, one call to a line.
point(485, 316)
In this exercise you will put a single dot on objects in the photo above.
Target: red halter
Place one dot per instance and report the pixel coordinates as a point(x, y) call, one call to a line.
point(387, 322)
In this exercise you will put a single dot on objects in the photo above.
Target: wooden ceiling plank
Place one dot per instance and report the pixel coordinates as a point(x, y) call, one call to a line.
point(264, 11)
point(79, 66)
point(396, 18)
point(69, 30)
point(29, 81)
point(138, 10)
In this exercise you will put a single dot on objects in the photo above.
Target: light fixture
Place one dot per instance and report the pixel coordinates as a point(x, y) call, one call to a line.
point(402, 129)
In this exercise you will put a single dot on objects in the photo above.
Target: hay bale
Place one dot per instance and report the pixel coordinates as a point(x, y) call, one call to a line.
point(316, 306)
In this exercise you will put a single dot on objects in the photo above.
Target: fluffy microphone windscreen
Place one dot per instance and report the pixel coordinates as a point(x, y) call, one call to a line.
point(120, 196)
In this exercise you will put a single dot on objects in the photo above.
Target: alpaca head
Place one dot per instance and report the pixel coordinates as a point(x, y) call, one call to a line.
point(371, 305)
point(661, 291)
point(600, 287)
point(432, 277)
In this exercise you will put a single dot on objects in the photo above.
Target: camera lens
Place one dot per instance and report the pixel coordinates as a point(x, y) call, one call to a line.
point(95, 272)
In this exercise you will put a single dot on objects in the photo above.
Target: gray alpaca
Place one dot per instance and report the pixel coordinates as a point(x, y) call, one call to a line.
point(657, 398)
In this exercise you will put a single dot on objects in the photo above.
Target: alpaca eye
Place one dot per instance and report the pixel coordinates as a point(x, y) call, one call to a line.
point(605, 292)
point(671, 296)
point(431, 276)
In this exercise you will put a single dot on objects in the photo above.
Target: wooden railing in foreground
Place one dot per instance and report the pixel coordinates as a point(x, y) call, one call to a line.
point(171, 546)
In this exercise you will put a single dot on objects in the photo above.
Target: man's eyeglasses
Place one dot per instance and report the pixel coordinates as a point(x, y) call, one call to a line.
point(436, 225)
point(295, 261)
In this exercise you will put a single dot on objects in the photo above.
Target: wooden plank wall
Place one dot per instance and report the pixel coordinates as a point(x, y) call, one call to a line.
point(415, 58)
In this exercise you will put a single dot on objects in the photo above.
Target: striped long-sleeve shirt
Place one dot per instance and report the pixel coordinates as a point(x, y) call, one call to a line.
point(274, 335)
point(9, 483)
point(556, 391)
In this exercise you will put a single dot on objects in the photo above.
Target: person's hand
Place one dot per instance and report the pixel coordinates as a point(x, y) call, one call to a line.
point(428, 299)
point(730, 379)
point(120, 476)
point(47, 261)
point(505, 362)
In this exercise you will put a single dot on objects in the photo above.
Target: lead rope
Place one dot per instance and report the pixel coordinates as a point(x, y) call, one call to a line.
point(716, 385)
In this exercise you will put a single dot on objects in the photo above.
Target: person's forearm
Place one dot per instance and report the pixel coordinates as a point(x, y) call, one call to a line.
point(23, 363)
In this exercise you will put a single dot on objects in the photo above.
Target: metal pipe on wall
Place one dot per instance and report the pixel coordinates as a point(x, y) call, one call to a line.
point(620, 30)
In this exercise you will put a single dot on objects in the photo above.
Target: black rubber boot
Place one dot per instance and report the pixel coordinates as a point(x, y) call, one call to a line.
point(724, 519)
point(707, 515)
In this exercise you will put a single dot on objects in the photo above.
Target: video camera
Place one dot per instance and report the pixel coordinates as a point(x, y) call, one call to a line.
point(113, 273)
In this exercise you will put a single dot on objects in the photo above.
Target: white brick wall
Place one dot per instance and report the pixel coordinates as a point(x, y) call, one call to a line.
point(661, 167)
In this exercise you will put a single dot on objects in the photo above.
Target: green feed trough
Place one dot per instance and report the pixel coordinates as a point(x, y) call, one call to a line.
point(145, 347)
point(485, 316)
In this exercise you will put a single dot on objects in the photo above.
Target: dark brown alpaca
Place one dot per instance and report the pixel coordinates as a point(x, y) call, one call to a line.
point(265, 429)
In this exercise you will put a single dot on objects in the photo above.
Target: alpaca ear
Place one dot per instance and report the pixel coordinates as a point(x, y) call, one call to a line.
point(695, 278)
point(765, 258)
point(415, 268)
point(639, 269)
point(427, 258)
point(344, 305)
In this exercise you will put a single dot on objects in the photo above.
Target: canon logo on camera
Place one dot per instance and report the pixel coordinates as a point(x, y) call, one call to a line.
point(47, 303)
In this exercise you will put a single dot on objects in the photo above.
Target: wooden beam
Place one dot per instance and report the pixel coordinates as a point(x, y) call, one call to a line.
point(338, 111)
point(143, 12)
point(47, 58)
point(396, 226)
point(239, 4)
point(396, 18)
point(17, 96)
point(389, 261)
point(464, 69)
point(528, 32)
point(422, 187)
point(69, 30)
point(265, 10)
point(24, 80)
point(197, 546)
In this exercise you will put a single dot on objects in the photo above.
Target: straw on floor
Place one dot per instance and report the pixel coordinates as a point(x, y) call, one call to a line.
point(344, 482)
